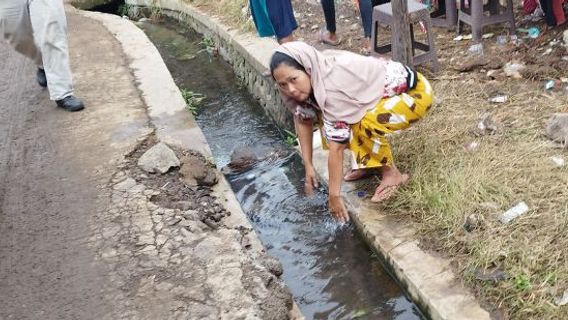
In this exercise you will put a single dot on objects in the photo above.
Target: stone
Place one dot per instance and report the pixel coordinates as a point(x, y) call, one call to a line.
point(273, 265)
point(160, 158)
point(125, 185)
point(242, 159)
point(196, 171)
point(557, 128)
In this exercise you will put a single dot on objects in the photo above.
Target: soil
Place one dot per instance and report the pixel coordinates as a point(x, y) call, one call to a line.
point(195, 199)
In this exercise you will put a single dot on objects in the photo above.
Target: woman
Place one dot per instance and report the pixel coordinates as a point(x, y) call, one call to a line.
point(357, 101)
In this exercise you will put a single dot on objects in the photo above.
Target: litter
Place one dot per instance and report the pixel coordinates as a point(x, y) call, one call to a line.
point(512, 69)
point(532, 32)
point(475, 49)
point(487, 35)
point(562, 300)
point(499, 99)
point(501, 40)
point(472, 146)
point(494, 274)
point(550, 84)
point(516, 211)
point(558, 161)
point(462, 37)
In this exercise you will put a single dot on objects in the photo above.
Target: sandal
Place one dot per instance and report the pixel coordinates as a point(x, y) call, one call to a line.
point(322, 39)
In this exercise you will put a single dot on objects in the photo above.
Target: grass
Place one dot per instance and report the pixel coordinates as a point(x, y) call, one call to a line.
point(193, 100)
point(233, 12)
point(291, 138)
point(450, 183)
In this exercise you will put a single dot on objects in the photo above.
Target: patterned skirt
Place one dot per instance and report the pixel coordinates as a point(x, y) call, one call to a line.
point(368, 142)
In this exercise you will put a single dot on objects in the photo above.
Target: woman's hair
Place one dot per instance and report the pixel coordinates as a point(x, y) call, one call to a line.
point(279, 58)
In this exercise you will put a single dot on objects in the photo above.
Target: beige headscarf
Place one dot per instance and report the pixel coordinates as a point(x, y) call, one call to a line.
point(344, 84)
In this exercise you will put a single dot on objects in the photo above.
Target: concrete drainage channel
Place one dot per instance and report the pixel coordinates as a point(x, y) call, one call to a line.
point(433, 285)
point(329, 270)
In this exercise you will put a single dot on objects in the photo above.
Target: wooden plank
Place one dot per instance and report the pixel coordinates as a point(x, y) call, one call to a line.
point(402, 47)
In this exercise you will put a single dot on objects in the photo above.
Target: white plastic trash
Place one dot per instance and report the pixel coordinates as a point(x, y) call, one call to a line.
point(516, 211)
point(558, 161)
point(499, 99)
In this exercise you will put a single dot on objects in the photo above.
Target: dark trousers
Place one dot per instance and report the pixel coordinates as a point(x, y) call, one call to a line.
point(365, 7)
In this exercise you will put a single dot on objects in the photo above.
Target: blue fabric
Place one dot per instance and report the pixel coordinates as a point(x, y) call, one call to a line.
point(282, 17)
point(260, 18)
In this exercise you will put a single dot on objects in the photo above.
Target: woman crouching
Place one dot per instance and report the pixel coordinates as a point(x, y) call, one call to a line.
point(357, 101)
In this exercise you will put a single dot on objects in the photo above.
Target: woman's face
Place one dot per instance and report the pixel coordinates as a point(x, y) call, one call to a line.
point(292, 82)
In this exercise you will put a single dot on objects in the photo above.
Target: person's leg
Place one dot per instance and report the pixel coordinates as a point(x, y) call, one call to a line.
point(281, 16)
point(369, 146)
point(366, 10)
point(329, 36)
point(50, 34)
point(16, 29)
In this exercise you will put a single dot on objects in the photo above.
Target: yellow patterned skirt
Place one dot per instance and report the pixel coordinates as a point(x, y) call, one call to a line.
point(368, 142)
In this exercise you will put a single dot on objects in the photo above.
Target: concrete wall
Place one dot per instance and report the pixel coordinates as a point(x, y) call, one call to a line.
point(236, 48)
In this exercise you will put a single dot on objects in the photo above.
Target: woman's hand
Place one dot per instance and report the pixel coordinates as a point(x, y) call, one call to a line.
point(311, 180)
point(337, 208)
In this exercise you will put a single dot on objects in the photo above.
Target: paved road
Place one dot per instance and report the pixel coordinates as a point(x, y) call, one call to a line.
point(80, 237)
point(51, 163)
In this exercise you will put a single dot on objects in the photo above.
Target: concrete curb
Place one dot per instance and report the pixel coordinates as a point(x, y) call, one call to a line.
point(428, 279)
point(174, 125)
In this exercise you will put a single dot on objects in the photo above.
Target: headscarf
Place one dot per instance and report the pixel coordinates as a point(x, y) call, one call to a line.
point(345, 84)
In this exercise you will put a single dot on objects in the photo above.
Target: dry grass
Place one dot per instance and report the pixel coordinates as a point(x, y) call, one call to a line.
point(449, 183)
point(230, 12)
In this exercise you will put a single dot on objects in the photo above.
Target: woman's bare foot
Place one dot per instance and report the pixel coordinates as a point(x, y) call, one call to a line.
point(329, 38)
point(366, 50)
point(358, 174)
point(392, 178)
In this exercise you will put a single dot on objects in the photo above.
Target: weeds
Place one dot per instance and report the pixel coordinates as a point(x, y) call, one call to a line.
point(291, 139)
point(192, 100)
point(155, 11)
point(207, 42)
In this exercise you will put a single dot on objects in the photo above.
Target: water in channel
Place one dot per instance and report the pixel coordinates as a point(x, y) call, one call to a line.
point(329, 269)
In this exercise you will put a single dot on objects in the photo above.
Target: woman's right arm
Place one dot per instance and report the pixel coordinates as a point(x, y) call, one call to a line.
point(304, 129)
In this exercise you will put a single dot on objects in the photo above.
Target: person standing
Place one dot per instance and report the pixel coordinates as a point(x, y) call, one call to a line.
point(38, 30)
point(274, 18)
point(329, 35)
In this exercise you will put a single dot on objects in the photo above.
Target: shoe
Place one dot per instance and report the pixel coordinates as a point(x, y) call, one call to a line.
point(70, 103)
point(41, 79)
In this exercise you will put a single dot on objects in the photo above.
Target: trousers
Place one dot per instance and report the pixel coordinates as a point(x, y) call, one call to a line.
point(38, 30)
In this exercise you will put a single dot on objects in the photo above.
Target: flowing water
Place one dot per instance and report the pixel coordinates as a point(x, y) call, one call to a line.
point(328, 268)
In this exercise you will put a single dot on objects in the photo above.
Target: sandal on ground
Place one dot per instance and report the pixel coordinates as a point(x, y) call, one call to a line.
point(389, 190)
point(322, 39)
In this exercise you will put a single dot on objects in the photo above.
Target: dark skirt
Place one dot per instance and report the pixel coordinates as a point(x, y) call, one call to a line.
point(282, 17)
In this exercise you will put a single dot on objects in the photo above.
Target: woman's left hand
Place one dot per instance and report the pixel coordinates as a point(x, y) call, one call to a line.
point(337, 208)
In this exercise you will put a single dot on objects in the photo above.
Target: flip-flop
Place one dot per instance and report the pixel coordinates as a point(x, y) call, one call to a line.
point(388, 191)
point(359, 174)
point(326, 41)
